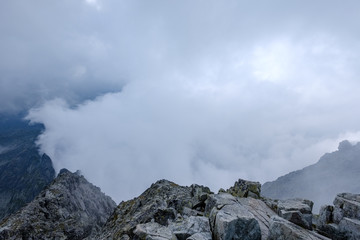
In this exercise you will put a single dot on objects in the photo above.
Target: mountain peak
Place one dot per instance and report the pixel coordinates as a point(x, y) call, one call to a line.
point(334, 172)
point(344, 145)
point(69, 208)
point(64, 171)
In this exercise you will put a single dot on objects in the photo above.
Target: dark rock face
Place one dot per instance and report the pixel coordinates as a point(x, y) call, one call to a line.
point(333, 173)
point(69, 208)
point(341, 221)
point(23, 172)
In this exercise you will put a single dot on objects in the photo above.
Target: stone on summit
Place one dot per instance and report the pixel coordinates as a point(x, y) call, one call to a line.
point(243, 188)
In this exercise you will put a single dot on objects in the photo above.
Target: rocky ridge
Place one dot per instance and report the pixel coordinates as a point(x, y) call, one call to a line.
point(69, 208)
point(169, 211)
point(334, 173)
point(72, 208)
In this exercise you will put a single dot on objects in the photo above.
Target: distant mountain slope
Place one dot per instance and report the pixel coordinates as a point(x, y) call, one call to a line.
point(69, 208)
point(335, 172)
point(23, 172)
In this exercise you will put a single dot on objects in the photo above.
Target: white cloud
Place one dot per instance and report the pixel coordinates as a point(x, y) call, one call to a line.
point(275, 61)
point(94, 3)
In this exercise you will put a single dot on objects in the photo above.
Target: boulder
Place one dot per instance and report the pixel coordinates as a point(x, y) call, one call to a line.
point(282, 229)
point(190, 226)
point(326, 226)
point(243, 188)
point(297, 211)
point(231, 220)
point(164, 215)
point(326, 215)
point(153, 231)
point(218, 201)
point(341, 221)
point(261, 212)
point(350, 228)
point(256, 208)
point(348, 205)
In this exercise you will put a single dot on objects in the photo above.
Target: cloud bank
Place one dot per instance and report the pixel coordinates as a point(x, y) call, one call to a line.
point(192, 91)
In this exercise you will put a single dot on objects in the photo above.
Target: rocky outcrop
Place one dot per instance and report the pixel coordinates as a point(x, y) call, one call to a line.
point(169, 211)
point(334, 173)
point(243, 188)
point(69, 208)
point(298, 211)
point(347, 205)
point(341, 221)
point(238, 218)
point(164, 203)
point(24, 173)
point(231, 220)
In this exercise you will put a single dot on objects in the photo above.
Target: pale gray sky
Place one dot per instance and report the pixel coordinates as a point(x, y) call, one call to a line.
point(193, 91)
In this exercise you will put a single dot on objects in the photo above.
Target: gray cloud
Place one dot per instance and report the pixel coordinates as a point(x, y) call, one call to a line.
point(134, 91)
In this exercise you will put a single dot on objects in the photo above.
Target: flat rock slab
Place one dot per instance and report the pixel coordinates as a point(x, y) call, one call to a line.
point(261, 212)
point(298, 204)
point(281, 229)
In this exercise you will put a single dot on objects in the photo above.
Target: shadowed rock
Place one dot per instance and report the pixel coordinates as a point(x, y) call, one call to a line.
point(69, 208)
point(24, 173)
point(341, 221)
point(297, 211)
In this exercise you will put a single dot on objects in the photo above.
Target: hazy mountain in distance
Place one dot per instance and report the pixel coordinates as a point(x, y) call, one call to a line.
point(335, 172)
point(23, 171)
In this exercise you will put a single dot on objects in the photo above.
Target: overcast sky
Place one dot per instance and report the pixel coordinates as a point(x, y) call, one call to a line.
point(193, 91)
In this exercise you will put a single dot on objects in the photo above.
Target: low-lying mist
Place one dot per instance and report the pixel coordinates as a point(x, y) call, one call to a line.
point(125, 141)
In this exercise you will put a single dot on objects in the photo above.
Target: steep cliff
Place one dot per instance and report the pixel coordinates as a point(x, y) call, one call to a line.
point(69, 208)
point(23, 171)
